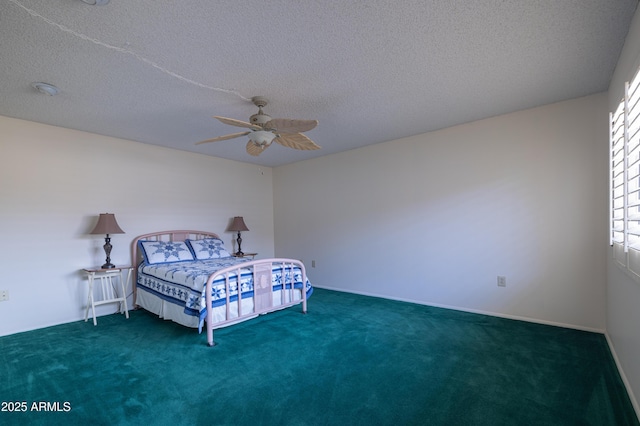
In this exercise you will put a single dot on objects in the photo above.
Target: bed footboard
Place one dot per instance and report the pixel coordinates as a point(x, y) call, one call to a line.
point(263, 290)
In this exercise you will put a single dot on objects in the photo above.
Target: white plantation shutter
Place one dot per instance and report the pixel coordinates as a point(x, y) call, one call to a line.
point(624, 202)
point(617, 175)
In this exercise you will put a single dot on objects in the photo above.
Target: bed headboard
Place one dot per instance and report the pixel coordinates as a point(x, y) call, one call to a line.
point(180, 235)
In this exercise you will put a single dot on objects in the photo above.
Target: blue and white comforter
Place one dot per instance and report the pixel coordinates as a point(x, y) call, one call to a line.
point(183, 283)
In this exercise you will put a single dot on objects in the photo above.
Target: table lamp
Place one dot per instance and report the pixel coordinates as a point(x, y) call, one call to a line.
point(238, 225)
point(107, 225)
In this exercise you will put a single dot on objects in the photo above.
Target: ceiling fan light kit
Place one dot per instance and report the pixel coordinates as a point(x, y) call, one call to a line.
point(264, 130)
point(262, 137)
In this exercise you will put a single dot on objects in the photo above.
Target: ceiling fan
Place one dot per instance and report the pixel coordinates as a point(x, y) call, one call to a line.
point(264, 130)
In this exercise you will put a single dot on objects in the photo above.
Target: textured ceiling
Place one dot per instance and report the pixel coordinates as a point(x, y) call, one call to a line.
point(156, 71)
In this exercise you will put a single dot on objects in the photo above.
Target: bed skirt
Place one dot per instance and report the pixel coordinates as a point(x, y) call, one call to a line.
point(173, 312)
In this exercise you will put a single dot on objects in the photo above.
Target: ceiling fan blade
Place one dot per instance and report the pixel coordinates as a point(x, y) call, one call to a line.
point(296, 141)
point(291, 126)
point(224, 138)
point(238, 123)
point(254, 149)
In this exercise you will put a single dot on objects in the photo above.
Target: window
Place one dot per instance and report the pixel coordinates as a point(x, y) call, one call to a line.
point(624, 175)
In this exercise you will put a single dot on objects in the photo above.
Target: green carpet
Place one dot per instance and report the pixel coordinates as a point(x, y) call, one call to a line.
point(352, 360)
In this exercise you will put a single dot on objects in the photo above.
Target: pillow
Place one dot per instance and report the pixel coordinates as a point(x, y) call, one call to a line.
point(208, 248)
point(165, 252)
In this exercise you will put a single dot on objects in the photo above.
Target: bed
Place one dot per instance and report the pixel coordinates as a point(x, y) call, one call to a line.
point(190, 278)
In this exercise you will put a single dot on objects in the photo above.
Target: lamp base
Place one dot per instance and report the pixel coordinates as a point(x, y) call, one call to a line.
point(239, 253)
point(107, 250)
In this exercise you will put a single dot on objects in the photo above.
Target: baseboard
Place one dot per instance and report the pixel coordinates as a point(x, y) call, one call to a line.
point(473, 311)
point(627, 385)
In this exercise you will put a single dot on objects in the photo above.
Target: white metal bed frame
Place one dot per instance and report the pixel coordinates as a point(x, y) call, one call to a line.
point(261, 270)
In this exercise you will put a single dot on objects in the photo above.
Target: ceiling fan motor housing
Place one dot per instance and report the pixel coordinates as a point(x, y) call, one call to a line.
point(260, 118)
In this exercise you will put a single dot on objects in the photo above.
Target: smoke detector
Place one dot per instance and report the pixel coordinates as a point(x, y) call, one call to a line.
point(96, 2)
point(45, 88)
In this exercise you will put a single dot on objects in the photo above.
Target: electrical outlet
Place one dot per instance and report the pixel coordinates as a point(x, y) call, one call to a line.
point(502, 281)
point(4, 295)
point(313, 263)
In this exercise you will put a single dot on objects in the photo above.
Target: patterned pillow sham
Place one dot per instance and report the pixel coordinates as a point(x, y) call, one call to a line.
point(208, 248)
point(165, 252)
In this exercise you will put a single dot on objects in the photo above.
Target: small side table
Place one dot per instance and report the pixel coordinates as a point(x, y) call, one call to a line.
point(108, 290)
point(251, 255)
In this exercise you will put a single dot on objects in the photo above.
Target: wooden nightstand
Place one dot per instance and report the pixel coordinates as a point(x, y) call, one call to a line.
point(251, 255)
point(108, 279)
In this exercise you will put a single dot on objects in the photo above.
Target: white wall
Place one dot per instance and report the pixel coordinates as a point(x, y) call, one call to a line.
point(437, 217)
point(53, 184)
point(623, 292)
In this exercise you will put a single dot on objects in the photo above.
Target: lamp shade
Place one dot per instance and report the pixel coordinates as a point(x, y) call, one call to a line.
point(107, 225)
point(238, 224)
